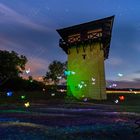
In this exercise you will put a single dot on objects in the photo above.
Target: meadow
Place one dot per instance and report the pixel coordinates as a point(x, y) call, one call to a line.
point(131, 102)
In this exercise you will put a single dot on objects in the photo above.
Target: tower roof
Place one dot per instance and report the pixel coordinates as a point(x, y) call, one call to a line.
point(104, 24)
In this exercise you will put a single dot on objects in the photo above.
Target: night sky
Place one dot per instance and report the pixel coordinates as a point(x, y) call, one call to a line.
point(29, 28)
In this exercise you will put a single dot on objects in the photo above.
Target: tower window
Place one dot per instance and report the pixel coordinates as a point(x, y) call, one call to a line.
point(74, 38)
point(94, 34)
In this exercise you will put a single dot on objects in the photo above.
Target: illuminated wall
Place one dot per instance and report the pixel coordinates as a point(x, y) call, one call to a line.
point(86, 78)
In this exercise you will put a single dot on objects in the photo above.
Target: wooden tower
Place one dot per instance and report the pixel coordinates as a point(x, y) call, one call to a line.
point(87, 46)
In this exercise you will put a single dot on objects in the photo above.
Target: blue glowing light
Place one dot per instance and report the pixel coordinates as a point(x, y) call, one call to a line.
point(120, 74)
point(9, 93)
point(66, 73)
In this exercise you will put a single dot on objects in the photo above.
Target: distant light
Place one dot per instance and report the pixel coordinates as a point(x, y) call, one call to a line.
point(116, 101)
point(39, 78)
point(130, 90)
point(31, 81)
point(27, 104)
point(121, 98)
point(135, 92)
point(62, 90)
point(43, 89)
point(53, 94)
point(9, 93)
point(120, 74)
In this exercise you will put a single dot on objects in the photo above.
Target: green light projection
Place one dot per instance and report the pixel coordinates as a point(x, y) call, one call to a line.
point(89, 78)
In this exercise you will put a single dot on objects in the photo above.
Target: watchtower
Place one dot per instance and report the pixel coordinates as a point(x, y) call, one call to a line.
point(87, 46)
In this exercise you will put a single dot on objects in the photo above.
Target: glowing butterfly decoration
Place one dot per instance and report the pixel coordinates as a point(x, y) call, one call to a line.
point(59, 77)
point(9, 93)
point(120, 74)
point(62, 90)
point(93, 81)
point(72, 72)
point(27, 104)
point(22, 97)
point(53, 94)
point(66, 73)
point(121, 98)
point(116, 101)
point(27, 71)
point(114, 85)
point(80, 86)
point(83, 96)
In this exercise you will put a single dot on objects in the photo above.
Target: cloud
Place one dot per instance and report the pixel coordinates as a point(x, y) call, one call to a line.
point(125, 84)
point(137, 79)
point(114, 61)
point(13, 45)
point(37, 64)
point(38, 67)
point(9, 15)
point(130, 77)
point(138, 71)
point(137, 46)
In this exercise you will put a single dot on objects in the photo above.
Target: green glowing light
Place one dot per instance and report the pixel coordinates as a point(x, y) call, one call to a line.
point(23, 97)
point(89, 78)
point(80, 86)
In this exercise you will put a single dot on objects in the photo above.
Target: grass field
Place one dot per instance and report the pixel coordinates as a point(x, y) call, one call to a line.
point(66, 118)
point(131, 102)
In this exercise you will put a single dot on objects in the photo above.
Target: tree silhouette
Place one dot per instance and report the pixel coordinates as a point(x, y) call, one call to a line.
point(11, 65)
point(55, 72)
